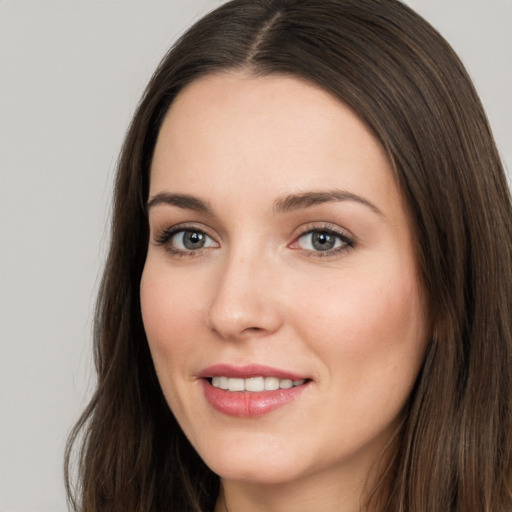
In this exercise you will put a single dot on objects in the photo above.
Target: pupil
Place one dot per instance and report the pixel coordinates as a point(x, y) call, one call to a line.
point(193, 240)
point(323, 241)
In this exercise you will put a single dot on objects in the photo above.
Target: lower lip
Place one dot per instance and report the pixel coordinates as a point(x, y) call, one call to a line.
point(248, 404)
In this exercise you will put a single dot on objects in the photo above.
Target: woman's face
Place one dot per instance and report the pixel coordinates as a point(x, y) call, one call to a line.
point(280, 255)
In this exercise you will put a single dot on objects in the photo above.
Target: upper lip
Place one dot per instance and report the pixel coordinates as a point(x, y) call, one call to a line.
point(246, 372)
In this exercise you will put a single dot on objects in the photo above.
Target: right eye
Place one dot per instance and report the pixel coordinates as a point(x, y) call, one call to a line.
point(185, 241)
point(188, 240)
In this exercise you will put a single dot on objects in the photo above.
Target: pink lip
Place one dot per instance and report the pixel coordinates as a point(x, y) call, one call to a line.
point(247, 404)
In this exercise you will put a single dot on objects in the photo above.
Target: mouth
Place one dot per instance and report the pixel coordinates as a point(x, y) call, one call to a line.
point(250, 391)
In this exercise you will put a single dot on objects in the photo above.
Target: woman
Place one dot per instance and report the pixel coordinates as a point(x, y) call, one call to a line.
point(307, 301)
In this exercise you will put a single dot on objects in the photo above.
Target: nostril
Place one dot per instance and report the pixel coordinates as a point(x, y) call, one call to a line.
point(253, 331)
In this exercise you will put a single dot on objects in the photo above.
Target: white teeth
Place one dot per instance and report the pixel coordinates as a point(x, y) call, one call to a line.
point(271, 383)
point(236, 384)
point(254, 384)
point(285, 384)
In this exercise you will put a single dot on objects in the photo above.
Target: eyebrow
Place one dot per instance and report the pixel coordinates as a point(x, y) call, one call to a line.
point(184, 201)
point(304, 200)
point(289, 203)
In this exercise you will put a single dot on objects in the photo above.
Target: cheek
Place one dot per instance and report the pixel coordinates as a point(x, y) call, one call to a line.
point(171, 311)
point(371, 331)
point(168, 299)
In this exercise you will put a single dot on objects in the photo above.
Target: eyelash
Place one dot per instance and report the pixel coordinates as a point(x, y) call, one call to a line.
point(166, 235)
point(347, 242)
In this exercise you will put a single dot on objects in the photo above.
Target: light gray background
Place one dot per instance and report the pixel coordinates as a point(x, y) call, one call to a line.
point(71, 73)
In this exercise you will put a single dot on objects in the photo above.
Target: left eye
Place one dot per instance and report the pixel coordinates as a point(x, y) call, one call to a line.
point(321, 241)
point(191, 240)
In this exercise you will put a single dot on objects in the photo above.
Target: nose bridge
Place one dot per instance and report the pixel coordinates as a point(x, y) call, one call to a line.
point(244, 301)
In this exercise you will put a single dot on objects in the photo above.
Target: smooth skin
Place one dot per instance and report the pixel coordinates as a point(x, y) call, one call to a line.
point(323, 284)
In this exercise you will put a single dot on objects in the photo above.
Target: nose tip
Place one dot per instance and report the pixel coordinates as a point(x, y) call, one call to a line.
point(233, 323)
point(244, 303)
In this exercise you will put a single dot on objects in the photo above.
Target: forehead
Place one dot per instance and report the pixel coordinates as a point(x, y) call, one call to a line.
point(233, 131)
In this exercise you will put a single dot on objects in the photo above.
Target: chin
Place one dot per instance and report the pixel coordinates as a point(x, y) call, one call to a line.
point(259, 474)
point(258, 464)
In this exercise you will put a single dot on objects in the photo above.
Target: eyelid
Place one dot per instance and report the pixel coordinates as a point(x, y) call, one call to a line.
point(349, 240)
point(163, 236)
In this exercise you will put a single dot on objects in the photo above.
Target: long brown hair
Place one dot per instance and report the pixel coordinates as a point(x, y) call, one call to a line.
point(453, 450)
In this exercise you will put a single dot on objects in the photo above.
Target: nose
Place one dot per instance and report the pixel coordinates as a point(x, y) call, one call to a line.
point(245, 301)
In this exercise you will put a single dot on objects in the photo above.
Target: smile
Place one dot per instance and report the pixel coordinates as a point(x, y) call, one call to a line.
point(254, 384)
point(250, 391)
